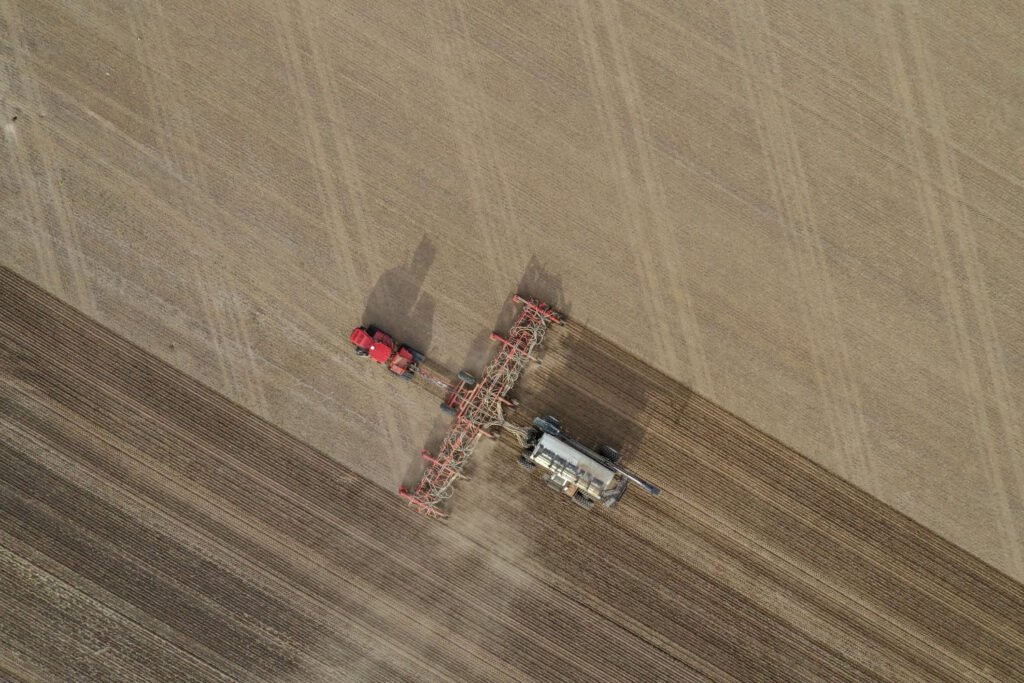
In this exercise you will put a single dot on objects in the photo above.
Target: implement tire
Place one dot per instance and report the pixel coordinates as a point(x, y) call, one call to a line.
point(610, 453)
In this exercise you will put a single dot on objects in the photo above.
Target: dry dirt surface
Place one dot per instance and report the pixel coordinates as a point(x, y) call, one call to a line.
point(808, 211)
point(152, 530)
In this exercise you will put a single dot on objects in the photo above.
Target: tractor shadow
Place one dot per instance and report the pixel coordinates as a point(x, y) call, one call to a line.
point(397, 302)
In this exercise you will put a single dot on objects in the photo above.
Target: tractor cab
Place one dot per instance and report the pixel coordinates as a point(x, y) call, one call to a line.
point(376, 344)
point(379, 347)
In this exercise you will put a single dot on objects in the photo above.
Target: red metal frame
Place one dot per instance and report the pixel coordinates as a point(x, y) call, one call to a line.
point(479, 408)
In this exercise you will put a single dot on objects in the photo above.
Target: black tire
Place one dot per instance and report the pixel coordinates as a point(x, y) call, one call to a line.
point(445, 408)
point(610, 453)
point(527, 465)
point(466, 378)
point(582, 501)
point(548, 424)
point(361, 351)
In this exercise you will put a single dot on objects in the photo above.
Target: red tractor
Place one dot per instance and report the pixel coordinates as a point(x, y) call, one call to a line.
point(379, 347)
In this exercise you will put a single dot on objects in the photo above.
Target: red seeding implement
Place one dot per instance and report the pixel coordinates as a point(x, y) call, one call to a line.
point(479, 408)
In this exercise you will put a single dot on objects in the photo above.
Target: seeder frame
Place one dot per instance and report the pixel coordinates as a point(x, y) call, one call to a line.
point(479, 408)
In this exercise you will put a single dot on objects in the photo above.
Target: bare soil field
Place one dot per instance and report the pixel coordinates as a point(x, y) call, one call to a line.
point(152, 530)
point(808, 212)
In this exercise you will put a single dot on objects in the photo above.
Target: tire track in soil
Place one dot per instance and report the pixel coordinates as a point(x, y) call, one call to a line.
point(725, 577)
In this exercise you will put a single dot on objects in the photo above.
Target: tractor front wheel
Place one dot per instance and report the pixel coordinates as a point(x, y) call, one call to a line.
point(361, 351)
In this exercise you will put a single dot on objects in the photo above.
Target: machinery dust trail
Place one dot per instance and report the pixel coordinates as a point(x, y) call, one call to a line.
point(181, 538)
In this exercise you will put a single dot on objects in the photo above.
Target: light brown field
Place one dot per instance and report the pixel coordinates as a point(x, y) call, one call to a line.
point(808, 213)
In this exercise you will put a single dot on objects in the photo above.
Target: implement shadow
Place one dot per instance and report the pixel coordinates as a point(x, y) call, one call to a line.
point(598, 391)
point(538, 283)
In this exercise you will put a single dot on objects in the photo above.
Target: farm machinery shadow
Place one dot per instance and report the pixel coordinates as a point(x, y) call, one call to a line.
point(398, 302)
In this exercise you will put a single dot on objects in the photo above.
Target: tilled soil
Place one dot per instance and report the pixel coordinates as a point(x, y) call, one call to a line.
point(153, 530)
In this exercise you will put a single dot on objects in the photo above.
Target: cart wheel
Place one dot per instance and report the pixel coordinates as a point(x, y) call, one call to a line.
point(548, 424)
point(610, 453)
point(466, 378)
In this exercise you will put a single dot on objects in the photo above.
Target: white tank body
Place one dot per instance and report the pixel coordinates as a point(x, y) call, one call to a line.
point(574, 472)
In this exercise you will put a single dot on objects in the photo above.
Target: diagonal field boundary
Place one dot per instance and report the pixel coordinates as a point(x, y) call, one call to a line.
point(152, 530)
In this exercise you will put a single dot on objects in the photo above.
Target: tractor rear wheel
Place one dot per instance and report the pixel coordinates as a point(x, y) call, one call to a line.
point(526, 464)
point(466, 378)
